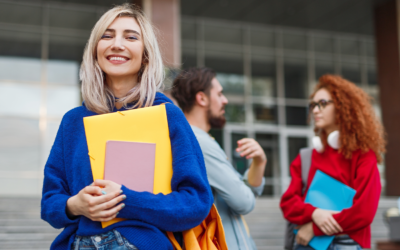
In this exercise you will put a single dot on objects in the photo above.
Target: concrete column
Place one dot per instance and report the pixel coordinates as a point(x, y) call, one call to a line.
point(165, 16)
point(388, 61)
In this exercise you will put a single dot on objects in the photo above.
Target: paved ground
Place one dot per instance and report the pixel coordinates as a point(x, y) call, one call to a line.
point(21, 227)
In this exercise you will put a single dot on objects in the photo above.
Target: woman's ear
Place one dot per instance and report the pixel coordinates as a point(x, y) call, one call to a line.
point(202, 99)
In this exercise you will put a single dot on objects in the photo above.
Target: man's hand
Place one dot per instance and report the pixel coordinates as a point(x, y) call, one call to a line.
point(96, 205)
point(325, 221)
point(305, 234)
point(249, 148)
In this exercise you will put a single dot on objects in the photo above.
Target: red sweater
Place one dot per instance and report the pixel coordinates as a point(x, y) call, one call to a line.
point(360, 173)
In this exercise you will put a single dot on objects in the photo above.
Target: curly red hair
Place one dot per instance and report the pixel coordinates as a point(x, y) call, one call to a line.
point(359, 126)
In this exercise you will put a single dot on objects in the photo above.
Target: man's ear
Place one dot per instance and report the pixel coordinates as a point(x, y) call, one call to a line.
point(201, 99)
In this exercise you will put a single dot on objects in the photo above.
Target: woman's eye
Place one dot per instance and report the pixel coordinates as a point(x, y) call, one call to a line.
point(132, 38)
point(106, 36)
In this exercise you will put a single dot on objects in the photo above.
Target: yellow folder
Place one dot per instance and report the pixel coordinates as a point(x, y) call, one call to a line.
point(139, 125)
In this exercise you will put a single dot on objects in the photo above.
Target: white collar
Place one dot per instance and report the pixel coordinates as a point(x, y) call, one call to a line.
point(333, 141)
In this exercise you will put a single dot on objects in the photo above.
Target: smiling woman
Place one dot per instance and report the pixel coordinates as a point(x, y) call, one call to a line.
point(122, 69)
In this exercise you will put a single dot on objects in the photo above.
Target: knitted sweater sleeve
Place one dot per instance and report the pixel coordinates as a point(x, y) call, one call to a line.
point(191, 199)
point(365, 203)
point(55, 191)
point(292, 202)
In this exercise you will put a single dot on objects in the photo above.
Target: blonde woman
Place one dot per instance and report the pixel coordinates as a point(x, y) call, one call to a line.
point(122, 69)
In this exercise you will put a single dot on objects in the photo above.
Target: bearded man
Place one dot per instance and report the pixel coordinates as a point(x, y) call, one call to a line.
point(200, 96)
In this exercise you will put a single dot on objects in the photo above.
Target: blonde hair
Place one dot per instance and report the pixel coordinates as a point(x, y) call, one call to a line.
point(96, 94)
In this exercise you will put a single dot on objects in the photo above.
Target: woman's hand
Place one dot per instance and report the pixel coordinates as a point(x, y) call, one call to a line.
point(305, 234)
point(249, 148)
point(95, 205)
point(325, 221)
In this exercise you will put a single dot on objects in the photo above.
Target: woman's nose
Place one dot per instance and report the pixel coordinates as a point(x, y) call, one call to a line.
point(117, 45)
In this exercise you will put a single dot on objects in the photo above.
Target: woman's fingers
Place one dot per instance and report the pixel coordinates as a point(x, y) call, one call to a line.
point(111, 203)
point(92, 190)
point(109, 214)
point(336, 227)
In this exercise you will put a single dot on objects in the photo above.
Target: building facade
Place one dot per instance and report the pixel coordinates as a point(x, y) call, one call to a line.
point(267, 71)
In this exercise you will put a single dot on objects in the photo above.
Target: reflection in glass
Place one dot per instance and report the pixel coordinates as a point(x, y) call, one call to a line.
point(265, 113)
point(295, 144)
point(19, 144)
point(222, 34)
point(188, 30)
point(323, 44)
point(238, 162)
point(294, 41)
point(349, 47)
point(295, 78)
point(231, 83)
point(25, 99)
point(235, 113)
point(269, 143)
point(351, 72)
point(263, 80)
point(262, 38)
point(296, 116)
point(323, 67)
point(20, 69)
point(218, 135)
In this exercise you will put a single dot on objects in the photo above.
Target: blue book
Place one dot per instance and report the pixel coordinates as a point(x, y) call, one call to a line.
point(327, 193)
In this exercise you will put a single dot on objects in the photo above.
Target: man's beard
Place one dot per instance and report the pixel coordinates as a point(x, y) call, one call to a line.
point(215, 121)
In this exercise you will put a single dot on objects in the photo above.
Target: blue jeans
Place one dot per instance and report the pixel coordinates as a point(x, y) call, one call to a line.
point(342, 242)
point(110, 240)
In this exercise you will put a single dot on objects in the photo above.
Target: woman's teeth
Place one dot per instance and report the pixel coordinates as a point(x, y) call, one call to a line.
point(117, 59)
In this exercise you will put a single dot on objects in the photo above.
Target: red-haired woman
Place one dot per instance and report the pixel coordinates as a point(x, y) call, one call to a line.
point(349, 146)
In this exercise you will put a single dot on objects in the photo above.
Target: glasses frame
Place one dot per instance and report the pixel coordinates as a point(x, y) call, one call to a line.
point(321, 104)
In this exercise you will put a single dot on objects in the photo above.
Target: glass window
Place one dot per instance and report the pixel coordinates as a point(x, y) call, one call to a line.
point(370, 48)
point(20, 14)
point(62, 72)
point(262, 38)
point(349, 47)
point(67, 47)
point(296, 116)
point(25, 99)
point(263, 80)
point(265, 113)
point(74, 19)
point(20, 147)
point(188, 30)
point(269, 143)
point(295, 71)
point(238, 162)
point(188, 61)
point(218, 135)
point(295, 144)
point(323, 44)
point(223, 34)
point(351, 72)
point(323, 67)
point(372, 76)
point(294, 41)
point(235, 113)
point(20, 69)
point(232, 83)
point(20, 43)
point(61, 99)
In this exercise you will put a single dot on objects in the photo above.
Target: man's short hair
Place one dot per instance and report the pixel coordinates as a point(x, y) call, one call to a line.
point(188, 83)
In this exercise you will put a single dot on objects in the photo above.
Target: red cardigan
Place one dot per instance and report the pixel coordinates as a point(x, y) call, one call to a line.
point(360, 173)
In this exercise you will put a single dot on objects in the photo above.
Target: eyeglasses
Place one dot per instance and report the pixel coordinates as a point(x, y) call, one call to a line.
point(321, 104)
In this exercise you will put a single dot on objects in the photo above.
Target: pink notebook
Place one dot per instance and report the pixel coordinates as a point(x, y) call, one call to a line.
point(130, 164)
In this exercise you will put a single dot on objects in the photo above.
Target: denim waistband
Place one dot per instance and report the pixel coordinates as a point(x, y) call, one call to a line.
point(98, 240)
point(344, 240)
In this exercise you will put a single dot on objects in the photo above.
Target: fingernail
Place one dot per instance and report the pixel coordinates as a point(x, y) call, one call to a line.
point(124, 197)
point(123, 205)
point(103, 192)
point(120, 191)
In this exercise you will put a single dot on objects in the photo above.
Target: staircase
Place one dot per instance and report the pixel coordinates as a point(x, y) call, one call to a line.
point(21, 227)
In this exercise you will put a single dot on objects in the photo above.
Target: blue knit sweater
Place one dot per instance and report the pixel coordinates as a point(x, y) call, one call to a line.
point(67, 171)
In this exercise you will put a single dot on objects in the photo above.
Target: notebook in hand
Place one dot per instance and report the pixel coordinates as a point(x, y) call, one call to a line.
point(130, 164)
point(327, 193)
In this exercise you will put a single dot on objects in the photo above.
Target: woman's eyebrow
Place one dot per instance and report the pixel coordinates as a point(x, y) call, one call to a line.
point(131, 31)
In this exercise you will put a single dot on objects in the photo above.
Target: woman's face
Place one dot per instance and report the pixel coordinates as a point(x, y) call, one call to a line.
point(120, 50)
point(324, 112)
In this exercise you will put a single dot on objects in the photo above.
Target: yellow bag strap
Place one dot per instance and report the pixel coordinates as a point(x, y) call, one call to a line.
point(175, 243)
